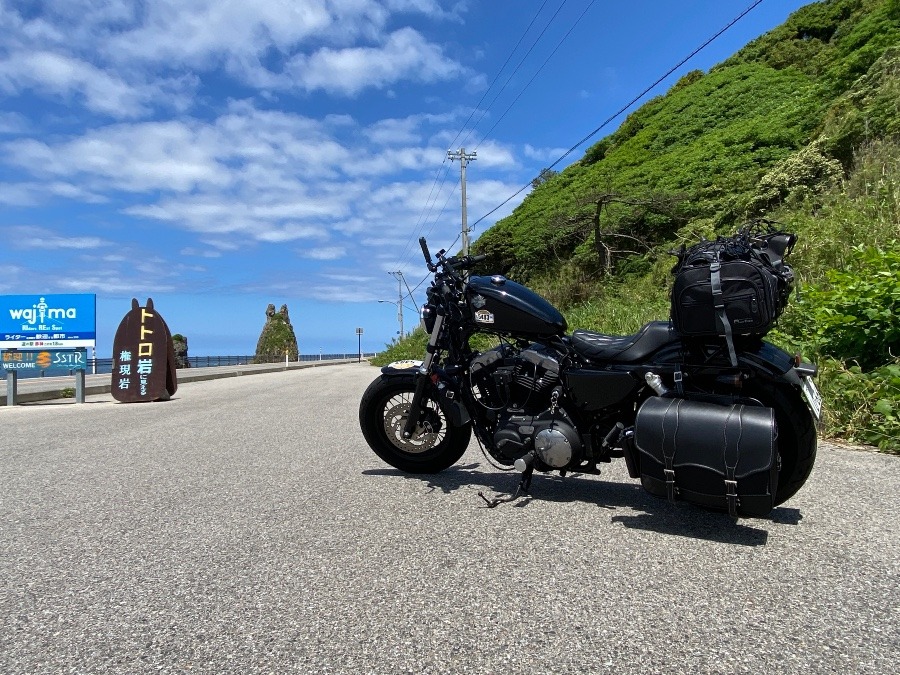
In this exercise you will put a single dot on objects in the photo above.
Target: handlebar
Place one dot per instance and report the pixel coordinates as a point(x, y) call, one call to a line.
point(452, 263)
point(427, 255)
point(465, 262)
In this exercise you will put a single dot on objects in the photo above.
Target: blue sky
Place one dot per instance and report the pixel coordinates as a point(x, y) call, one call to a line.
point(220, 155)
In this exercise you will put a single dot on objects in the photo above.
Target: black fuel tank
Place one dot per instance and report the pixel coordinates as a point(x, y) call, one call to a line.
point(501, 305)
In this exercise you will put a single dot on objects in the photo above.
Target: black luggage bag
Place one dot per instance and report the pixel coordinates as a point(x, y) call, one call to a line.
point(732, 286)
point(718, 456)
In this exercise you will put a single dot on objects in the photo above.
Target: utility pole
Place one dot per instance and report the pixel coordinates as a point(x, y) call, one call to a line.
point(464, 158)
point(399, 276)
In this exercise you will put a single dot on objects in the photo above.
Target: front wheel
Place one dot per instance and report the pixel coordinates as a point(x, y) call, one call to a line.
point(434, 446)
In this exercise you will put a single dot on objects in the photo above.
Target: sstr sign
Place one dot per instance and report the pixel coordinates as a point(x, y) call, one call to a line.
point(47, 359)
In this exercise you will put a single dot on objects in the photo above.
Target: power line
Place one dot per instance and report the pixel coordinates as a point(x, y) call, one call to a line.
point(627, 106)
point(429, 204)
point(426, 210)
point(410, 293)
point(537, 72)
point(502, 68)
point(518, 66)
point(443, 208)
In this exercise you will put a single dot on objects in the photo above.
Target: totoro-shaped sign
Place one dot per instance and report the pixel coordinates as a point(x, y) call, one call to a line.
point(143, 357)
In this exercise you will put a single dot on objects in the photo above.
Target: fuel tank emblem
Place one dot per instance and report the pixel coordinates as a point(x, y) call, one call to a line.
point(484, 316)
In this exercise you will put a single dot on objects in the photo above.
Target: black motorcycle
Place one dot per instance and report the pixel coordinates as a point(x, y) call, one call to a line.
point(700, 407)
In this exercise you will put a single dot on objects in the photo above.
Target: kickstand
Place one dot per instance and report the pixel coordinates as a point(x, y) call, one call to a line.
point(522, 489)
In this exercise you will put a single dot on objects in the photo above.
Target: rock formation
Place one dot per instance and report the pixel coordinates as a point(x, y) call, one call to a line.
point(180, 343)
point(277, 337)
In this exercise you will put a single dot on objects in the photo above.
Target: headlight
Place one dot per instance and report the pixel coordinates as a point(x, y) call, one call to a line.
point(428, 315)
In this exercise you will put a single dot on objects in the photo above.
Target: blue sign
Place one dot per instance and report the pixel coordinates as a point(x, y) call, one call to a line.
point(49, 359)
point(48, 321)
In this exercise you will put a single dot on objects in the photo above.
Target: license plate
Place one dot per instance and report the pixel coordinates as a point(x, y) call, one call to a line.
point(812, 396)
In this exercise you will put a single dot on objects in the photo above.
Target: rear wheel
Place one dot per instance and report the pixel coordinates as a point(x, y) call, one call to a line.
point(796, 435)
point(434, 446)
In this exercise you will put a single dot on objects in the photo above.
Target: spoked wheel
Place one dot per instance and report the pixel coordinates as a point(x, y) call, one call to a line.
point(435, 444)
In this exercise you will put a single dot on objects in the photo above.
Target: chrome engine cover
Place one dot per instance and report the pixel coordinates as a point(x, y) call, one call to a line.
point(553, 448)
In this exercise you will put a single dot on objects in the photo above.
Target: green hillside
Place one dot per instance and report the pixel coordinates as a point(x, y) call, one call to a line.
point(802, 126)
point(697, 154)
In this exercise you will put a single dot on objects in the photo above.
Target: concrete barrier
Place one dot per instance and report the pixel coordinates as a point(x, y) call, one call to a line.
point(51, 388)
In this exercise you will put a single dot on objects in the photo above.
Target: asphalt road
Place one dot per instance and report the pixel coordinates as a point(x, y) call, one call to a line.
point(245, 527)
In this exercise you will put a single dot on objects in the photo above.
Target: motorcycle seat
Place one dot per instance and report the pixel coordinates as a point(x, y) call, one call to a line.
point(623, 348)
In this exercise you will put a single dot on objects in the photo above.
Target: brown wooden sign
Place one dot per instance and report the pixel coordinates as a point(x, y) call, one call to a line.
point(143, 357)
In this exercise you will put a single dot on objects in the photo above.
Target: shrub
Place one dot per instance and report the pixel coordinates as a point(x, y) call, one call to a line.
point(856, 315)
point(862, 407)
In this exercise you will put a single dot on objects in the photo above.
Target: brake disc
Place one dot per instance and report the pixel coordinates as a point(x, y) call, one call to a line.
point(426, 435)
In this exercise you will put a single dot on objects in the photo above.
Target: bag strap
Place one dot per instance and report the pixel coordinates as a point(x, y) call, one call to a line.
point(732, 451)
point(715, 282)
point(669, 434)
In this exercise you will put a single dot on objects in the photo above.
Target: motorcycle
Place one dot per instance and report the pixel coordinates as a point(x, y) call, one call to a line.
point(724, 428)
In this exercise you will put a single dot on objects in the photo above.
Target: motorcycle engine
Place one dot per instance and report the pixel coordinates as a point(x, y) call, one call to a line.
point(521, 391)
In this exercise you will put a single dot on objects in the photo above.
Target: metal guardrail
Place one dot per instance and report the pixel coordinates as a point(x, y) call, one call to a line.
point(99, 366)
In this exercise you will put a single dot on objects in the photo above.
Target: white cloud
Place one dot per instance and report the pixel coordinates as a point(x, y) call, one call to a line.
point(104, 53)
point(34, 193)
point(324, 253)
point(65, 76)
point(222, 215)
point(289, 232)
point(200, 252)
point(30, 237)
point(494, 155)
point(194, 32)
point(100, 90)
point(543, 154)
point(13, 123)
point(394, 131)
point(10, 276)
point(135, 158)
point(221, 245)
point(405, 54)
point(114, 284)
point(255, 177)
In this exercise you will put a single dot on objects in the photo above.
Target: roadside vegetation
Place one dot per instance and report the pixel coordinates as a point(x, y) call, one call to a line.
point(801, 126)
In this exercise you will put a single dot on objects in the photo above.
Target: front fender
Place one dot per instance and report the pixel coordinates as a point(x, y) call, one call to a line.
point(409, 368)
point(405, 367)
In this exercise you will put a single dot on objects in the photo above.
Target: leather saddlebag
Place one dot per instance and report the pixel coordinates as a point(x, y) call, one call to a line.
point(718, 456)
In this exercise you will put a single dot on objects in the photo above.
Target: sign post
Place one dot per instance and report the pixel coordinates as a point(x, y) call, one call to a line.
point(12, 379)
point(359, 332)
point(13, 361)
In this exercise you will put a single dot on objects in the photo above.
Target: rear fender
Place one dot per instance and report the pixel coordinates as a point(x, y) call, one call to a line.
point(767, 362)
point(772, 363)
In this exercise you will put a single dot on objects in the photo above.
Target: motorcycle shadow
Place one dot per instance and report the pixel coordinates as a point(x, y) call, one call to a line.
point(678, 519)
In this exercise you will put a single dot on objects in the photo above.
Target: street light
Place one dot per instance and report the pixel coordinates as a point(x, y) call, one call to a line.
point(399, 304)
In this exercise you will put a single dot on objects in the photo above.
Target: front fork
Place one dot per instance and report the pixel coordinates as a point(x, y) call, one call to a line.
point(423, 380)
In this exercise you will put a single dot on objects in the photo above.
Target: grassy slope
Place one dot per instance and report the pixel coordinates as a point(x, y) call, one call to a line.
point(705, 144)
